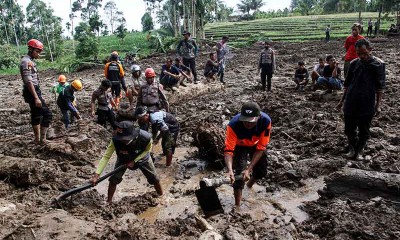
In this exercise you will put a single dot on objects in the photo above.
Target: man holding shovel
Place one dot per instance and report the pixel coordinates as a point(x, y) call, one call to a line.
point(133, 149)
point(247, 136)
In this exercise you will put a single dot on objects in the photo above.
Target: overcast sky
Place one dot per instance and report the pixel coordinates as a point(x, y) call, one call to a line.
point(134, 9)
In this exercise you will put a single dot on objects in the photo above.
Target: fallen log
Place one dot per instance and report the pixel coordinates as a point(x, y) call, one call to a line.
point(363, 185)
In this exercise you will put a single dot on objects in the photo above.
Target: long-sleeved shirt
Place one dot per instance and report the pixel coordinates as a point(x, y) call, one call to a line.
point(363, 81)
point(114, 72)
point(28, 71)
point(187, 48)
point(238, 135)
point(111, 149)
point(66, 98)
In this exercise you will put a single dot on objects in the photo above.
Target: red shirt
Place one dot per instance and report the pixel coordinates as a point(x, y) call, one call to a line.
point(350, 47)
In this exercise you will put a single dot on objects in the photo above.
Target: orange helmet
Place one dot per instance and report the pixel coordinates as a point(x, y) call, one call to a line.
point(149, 73)
point(62, 79)
point(35, 44)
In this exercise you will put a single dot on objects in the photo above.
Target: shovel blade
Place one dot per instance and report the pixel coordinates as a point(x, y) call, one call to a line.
point(209, 201)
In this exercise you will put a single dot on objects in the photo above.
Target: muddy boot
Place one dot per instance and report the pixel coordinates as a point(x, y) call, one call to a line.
point(352, 152)
point(169, 159)
point(360, 150)
point(36, 132)
point(221, 78)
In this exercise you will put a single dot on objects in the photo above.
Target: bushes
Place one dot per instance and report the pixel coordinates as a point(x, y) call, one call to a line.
point(87, 47)
point(8, 57)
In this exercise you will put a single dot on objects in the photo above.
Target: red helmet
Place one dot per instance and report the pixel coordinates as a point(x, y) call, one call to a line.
point(35, 44)
point(62, 79)
point(149, 73)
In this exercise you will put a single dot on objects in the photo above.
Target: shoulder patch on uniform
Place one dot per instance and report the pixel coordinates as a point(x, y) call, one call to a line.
point(30, 65)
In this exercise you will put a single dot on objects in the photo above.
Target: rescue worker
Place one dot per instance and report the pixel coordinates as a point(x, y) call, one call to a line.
point(41, 115)
point(188, 50)
point(222, 50)
point(132, 147)
point(65, 102)
point(62, 83)
point(104, 104)
point(114, 72)
point(164, 122)
point(151, 93)
point(247, 135)
point(266, 66)
point(133, 89)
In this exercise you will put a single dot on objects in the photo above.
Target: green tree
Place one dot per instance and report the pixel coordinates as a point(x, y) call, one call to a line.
point(45, 26)
point(87, 47)
point(12, 22)
point(244, 6)
point(306, 6)
point(147, 22)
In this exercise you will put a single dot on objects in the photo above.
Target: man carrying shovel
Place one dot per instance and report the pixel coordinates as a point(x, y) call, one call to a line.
point(247, 136)
point(133, 149)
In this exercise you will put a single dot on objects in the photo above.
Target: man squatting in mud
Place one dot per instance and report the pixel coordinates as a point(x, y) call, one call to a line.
point(133, 148)
point(41, 115)
point(362, 96)
point(247, 134)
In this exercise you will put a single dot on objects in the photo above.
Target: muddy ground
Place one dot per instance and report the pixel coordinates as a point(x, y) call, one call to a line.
point(292, 202)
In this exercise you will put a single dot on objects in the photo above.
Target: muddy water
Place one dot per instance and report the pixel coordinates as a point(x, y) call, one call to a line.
point(180, 181)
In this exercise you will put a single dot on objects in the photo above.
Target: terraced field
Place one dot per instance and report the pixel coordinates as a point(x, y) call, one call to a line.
point(300, 28)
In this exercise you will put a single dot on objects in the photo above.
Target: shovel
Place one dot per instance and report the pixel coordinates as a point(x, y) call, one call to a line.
point(208, 200)
point(89, 184)
point(207, 195)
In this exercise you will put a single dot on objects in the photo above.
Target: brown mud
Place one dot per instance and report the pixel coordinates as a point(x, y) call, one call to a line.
point(292, 202)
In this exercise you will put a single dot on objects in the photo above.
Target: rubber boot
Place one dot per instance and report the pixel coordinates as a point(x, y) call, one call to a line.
point(360, 149)
point(221, 78)
point(43, 135)
point(36, 132)
point(352, 152)
point(169, 159)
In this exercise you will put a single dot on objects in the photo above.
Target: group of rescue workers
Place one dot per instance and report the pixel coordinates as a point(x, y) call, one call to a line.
point(247, 134)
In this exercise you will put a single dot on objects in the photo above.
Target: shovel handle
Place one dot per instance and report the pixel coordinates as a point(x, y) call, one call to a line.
point(89, 185)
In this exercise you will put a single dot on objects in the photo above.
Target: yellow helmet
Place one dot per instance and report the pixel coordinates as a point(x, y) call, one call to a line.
point(77, 84)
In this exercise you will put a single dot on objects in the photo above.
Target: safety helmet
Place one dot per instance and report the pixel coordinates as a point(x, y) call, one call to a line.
point(114, 55)
point(77, 84)
point(35, 44)
point(135, 68)
point(62, 78)
point(149, 73)
point(140, 111)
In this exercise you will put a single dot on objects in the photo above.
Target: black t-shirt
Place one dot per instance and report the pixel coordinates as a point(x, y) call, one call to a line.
point(328, 71)
point(363, 81)
point(172, 70)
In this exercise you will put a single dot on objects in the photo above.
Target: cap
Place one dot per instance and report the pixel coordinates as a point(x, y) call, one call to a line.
point(125, 131)
point(140, 111)
point(185, 32)
point(250, 112)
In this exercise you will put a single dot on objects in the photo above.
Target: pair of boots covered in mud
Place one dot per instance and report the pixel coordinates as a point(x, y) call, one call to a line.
point(356, 148)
